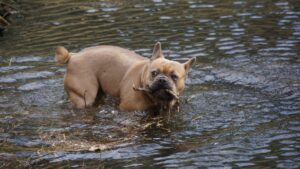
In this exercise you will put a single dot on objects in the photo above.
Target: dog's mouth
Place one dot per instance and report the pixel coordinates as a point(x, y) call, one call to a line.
point(163, 92)
point(166, 94)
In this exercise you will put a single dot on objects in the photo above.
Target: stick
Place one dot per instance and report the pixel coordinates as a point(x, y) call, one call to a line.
point(140, 89)
point(173, 94)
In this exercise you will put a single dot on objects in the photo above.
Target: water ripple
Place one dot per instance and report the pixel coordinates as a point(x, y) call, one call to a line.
point(23, 76)
point(240, 107)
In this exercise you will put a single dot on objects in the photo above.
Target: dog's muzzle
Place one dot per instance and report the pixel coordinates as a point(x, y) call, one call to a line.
point(160, 82)
point(160, 86)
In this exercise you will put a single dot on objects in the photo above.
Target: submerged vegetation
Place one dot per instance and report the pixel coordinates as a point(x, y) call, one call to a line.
point(5, 11)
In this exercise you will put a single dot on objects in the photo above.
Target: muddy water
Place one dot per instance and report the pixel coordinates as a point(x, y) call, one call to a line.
point(240, 108)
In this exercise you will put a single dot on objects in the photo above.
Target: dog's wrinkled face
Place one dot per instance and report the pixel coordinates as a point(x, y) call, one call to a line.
point(165, 77)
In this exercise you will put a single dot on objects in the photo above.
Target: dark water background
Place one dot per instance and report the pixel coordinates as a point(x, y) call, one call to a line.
point(240, 108)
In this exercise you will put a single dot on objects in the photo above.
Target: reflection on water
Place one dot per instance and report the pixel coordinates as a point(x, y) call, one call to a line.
point(240, 108)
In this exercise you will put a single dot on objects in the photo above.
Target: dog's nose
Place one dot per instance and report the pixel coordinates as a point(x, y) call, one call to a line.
point(162, 81)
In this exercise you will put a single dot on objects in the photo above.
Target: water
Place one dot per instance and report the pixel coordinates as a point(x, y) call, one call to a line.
point(240, 107)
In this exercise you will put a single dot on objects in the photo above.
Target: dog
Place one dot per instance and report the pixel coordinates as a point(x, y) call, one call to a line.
point(139, 83)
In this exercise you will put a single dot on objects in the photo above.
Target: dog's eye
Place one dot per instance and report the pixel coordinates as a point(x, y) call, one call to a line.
point(154, 73)
point(174, 77)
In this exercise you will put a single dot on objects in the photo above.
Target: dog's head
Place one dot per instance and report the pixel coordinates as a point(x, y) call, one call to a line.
point(165, 78)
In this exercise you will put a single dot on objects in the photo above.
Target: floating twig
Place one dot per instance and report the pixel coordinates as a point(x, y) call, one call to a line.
point(10, 61)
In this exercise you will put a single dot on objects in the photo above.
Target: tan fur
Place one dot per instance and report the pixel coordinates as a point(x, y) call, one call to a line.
point(62, 55)
point(114, 70)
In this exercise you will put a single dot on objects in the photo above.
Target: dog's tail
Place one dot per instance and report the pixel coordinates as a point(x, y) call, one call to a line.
point(62, 55)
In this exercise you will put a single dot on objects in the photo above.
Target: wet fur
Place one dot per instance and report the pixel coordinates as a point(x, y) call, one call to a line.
point(114, 71)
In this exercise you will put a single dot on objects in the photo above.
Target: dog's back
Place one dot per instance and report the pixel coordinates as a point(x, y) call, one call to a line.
point(94, 68)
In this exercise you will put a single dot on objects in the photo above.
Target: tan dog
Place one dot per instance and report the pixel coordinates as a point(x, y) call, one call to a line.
point(140, 83)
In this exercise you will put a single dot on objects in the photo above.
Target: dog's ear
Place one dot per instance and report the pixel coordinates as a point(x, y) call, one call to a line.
point(188, 64)
point(157, 53)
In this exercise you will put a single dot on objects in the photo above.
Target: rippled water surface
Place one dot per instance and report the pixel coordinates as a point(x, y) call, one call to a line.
point(240, 107)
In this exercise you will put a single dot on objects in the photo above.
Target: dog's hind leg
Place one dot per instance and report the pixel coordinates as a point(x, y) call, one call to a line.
point(77, 100)
point(85, 99)
point(81, 92)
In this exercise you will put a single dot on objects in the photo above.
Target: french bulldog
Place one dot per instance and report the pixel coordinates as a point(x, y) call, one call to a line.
point(138, 82)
